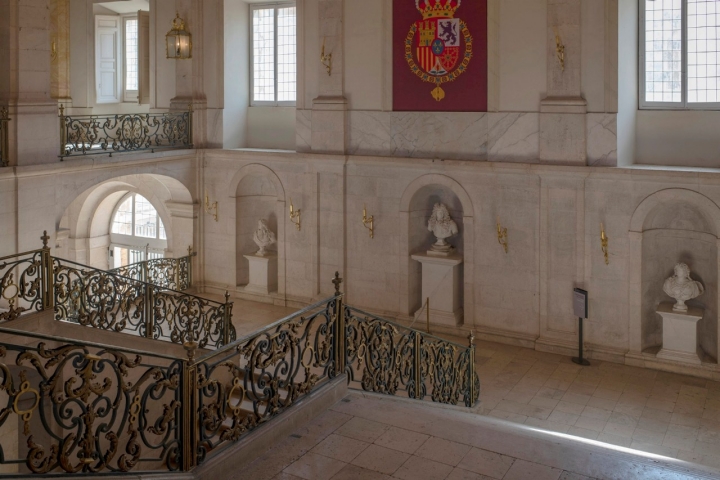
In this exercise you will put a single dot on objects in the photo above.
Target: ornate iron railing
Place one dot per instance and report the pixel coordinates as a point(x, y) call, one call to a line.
point(86, 408)
point(4, 145)
point(386, 357)
point(94, 134)
point(93, 409)
point(36, 281)
point(170, 273)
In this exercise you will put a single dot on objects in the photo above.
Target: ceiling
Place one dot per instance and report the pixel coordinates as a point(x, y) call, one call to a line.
point(126, 6)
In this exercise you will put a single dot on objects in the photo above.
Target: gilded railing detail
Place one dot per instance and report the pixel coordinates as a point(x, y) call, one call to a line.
point(389, 358)
point(256, 378)
point(4, 144)
point(83, 135)
point(170, 273)
point(85, 409)
point(35, 281)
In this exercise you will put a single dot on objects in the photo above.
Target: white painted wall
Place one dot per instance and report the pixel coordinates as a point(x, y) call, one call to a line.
point(627, 81)
point(271, 127)
point(685, 137)
point(237, 74)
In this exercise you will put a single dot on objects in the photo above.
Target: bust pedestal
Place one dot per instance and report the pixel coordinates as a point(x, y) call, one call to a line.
point(263, 274)
point(679, 334)
point(441, 283)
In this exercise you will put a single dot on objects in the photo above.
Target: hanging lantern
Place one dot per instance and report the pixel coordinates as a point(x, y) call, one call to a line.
point(178, 41)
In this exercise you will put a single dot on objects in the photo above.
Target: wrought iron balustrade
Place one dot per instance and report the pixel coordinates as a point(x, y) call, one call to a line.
point(170, 273)
point(35, 281)
point(92, 409)
point(84, 408)
point(4, 144)
point(131, 132)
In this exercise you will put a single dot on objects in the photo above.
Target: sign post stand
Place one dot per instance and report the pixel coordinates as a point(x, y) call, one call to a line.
point(580, 307)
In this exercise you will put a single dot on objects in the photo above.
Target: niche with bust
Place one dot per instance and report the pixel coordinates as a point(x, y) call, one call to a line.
point(436, 251)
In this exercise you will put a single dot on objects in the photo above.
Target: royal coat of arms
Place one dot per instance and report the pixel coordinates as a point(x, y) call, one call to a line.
point(438, 48)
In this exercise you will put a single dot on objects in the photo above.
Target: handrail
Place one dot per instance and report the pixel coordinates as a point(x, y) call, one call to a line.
point(55, 338)
point(36, 281)
point(119, 133)
point(170, 273)
point(4, 144)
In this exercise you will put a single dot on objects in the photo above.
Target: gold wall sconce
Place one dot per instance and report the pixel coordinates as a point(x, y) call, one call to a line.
point(502, 235)
point(211, 208)
point(178, 41)
point(294, 215)
point(326, 60)
point(368, 222)
point(559, 50)
point(604, 242)
point(53, 50)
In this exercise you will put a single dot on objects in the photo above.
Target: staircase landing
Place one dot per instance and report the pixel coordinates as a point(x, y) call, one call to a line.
point(367, 436)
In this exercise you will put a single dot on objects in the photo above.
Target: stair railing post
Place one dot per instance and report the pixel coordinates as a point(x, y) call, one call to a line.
point(340, 333)
point(417, 355)
point(227, 318)
point(189, 268)
point(46, 266)
point(189, 418)
point(471, 367)
point(149, 310)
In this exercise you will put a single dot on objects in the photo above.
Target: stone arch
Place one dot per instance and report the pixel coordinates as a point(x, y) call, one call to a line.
point(86, 221)
point(258, 194)
point(668, 226)
point(409, 270)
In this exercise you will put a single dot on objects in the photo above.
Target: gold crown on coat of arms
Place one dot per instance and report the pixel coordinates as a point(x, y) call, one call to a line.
point(437, 8)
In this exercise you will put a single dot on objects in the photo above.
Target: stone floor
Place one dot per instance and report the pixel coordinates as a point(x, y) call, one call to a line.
point(371, 437)
point(663, 413)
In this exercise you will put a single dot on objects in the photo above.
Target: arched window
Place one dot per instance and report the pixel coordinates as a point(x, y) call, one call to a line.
point(136, 233)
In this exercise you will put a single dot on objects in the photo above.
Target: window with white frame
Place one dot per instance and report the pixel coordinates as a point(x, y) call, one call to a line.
point(130, 41)
point(136, 233)
point(274, 54)
point(117, 58)
point(680, 54)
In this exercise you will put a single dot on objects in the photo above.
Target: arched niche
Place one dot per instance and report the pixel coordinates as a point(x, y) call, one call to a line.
point(671, 226)
point(85, 225)
point(416, 206)
point(259, 195)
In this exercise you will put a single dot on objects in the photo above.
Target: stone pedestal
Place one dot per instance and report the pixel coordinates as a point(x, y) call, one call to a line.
point(679, 334)
point(263, 274)
point(441, 282)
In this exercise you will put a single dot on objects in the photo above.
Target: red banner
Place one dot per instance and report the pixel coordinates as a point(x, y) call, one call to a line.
point(440, 55)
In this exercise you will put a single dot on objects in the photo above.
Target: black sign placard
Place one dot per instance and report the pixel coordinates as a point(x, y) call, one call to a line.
point(580, 303)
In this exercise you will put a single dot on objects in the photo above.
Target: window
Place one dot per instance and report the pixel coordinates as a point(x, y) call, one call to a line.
point(680, 54)
point(130, 92)
point(274, 63)
point(137, 233)
point(121, 56)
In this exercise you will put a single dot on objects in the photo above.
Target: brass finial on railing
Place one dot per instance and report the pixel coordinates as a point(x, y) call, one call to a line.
point(227, 320)
point(337, 281)
point(45, 239)
point(190, 348)
point(471, 339)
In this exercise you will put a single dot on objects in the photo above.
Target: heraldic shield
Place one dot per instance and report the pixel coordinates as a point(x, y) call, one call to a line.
point(434, 46)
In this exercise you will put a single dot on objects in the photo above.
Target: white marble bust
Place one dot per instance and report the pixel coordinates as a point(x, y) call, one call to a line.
point(443, 227)
point(263, 238)
point(682, 288)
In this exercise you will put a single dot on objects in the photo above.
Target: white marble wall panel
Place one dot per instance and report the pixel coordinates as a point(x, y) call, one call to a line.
point(513, 137)
point(303, 130)
point(601, 139)
point(461, 136)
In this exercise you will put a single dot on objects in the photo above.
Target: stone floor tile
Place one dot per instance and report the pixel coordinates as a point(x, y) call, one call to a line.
point(607, 394)
point(653, 425)
point(634, 411)
point(353, 472)
point(363, 430)
point(576, 398)
point(623, 419)
point(548, 425)
point(541, 413)
point(460, 474)
point(417, 468)
point(578, 388)
point(619, 430)
point(401, 439)
point(523, 470)
point(340, 448)
point(583, 432)
point(443, 451)
point(679, 443)
point(602, 403)
point(285, 476)
point(573, 476)
point(591, 424)
point(569, 407)
point(544, 402)
point(562, 417)
point(596, 413)
point(315, 467)
point(658, 415)
point(646, 436)
point(486, 463)
point(381, 459)
point(683, 431)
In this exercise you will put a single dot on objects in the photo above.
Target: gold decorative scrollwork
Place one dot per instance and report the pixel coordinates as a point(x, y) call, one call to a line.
point(26, 413)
